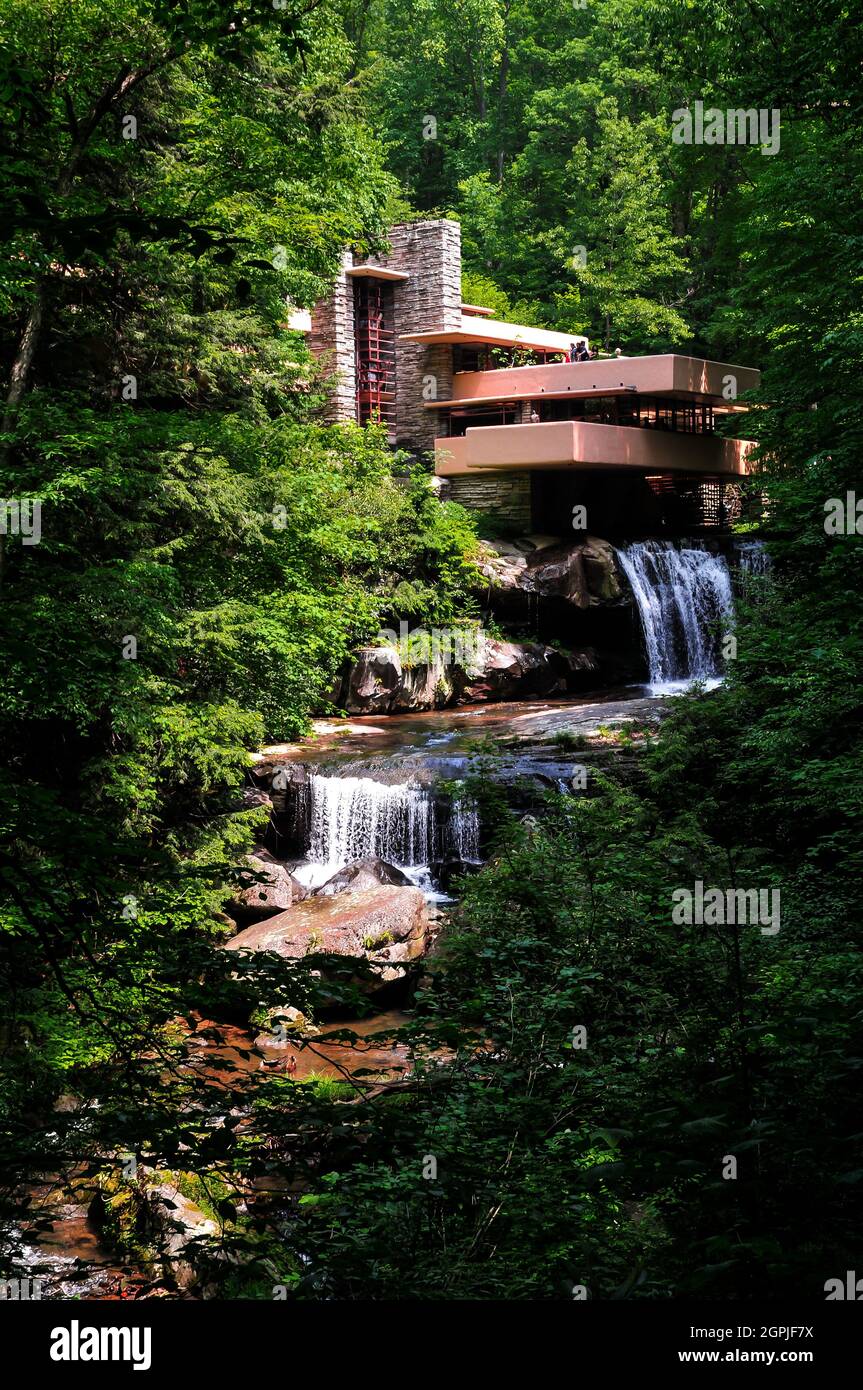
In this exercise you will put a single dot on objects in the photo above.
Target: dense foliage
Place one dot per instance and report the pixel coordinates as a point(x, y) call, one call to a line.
point(552, 144)
point(210, 551)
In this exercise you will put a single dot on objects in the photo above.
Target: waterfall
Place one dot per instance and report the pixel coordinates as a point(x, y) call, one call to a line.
point(356, 818)
point(754, 571)
point(752, 558)
point(461, 836)
point(683, 594)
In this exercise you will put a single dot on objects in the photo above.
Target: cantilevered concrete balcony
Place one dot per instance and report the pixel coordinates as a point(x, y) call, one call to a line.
point(661, 374)
point(577, 444)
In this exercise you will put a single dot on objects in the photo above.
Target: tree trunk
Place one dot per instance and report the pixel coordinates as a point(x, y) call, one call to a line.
point(23, 361)
point(501, 107)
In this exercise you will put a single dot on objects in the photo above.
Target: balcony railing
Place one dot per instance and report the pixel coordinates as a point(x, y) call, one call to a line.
point(654, 374)
point(630, 410)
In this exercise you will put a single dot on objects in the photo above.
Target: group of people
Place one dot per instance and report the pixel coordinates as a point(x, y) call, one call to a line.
point(580, 352)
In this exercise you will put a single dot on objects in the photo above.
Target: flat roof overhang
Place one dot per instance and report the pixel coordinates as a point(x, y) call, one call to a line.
point(576, 444)
point(494, 333)
point(660, 374)
point(375, 272)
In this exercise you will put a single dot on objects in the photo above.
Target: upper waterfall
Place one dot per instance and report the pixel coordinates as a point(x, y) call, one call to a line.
point(683, 595)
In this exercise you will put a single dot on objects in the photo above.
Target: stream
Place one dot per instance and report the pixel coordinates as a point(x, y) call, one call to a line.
point(365, 787)
point(369, 786)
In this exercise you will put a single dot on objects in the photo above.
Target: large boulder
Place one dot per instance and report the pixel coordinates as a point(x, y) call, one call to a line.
point(284, 781)
point(373, 681)
point(583, 573)
point(282, 1025)
point(602, 573)
point(495, 671)
point(381, 682)
point(275, 891)
point(558, 573)
point(517, 670)
point(503, 562)
point(184, 1236)
point(363, 874)
point(170, 1231)
point(387, 926)
point(298, 890)
point(424, 685)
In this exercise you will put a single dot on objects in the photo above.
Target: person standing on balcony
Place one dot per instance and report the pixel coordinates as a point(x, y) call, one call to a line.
point(572, 355)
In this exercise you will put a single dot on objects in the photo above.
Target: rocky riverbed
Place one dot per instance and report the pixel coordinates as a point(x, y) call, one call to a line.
point(365, 826)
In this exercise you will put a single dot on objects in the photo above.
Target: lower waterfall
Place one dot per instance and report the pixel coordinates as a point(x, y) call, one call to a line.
point(683, 594)
point(354, 818)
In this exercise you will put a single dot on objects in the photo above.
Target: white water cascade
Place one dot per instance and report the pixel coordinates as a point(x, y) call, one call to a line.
point(752, 558)
point(354, 818)
point(683, 594)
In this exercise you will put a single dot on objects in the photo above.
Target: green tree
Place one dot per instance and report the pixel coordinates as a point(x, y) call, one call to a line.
point(209, 551)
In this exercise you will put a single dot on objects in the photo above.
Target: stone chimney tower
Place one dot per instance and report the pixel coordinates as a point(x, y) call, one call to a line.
point(419, 290)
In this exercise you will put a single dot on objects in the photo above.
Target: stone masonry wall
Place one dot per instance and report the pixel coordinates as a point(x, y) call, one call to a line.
point(332, 339)
point(430, 252)
point(505, 495)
